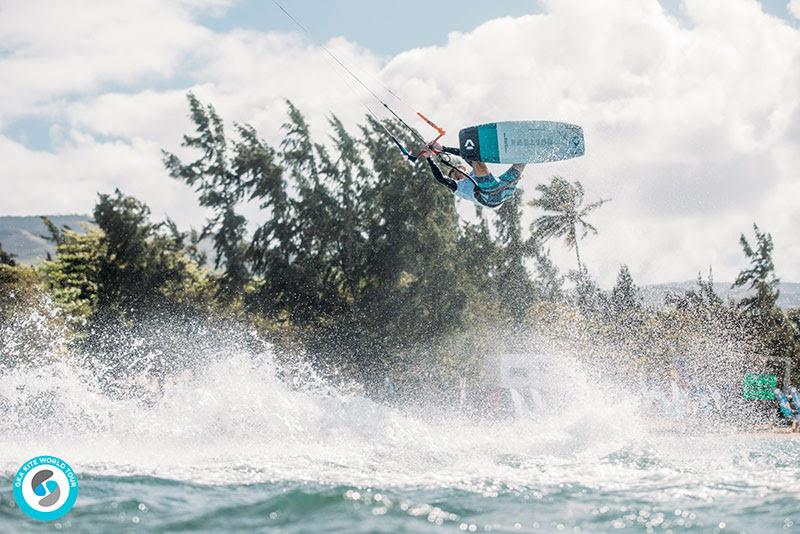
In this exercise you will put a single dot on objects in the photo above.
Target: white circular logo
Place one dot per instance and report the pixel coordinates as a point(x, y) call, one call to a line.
point(45, 488)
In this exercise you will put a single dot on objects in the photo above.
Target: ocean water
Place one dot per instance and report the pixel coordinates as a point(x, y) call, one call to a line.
point(230, 447)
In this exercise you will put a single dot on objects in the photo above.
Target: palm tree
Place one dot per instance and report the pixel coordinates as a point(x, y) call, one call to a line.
point(567, 217)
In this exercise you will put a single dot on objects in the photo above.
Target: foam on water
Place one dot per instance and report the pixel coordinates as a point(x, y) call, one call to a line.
point(236, 412)
point(234, 420)
point(198, 411)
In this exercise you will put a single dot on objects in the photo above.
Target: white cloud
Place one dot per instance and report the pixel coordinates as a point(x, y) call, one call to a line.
point(151, 115)
point(248, 77)
point(794, 8)
point(68, 180)
point(691, 125)
point(58, 49)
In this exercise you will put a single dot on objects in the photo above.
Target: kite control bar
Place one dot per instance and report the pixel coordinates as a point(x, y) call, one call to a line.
point(429, 145)
point(439, 131)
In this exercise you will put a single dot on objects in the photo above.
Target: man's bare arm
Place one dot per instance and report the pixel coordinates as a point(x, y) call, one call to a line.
point(480, 168)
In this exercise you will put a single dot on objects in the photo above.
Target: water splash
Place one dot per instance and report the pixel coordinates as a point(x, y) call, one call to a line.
point(238, 414)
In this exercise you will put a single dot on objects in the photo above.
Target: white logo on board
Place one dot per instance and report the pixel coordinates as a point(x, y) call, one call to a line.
point(469, 145)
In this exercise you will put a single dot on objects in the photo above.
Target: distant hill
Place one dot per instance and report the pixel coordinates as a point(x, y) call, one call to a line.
point(23, 235)
point(654, 294)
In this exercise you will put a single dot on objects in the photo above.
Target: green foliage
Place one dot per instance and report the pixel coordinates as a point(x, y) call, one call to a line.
point(776, 330)
point(626, 297)
point(416, 281)
point(19, 285)
point(478, 250)
point(588, 296)
point(360, 257)
point(548, 284)
point(72, 276)
point(6, 258)
point(513, 283)
point(222, 176)
point(31, 328)
point(140, 260)
point(760, 276)
point(55, 234)
point(702, 302)
point(356, 247)
point(309, 253)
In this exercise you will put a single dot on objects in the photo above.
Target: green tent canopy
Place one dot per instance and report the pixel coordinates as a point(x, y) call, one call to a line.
point(759, 386)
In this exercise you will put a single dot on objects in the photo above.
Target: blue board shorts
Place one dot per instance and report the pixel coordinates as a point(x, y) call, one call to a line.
point(492, 192)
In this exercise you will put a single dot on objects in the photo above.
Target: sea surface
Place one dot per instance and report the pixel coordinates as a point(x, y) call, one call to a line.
point(236, 449)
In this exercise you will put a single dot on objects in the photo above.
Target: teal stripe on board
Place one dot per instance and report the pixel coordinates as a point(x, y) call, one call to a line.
point(487, 140)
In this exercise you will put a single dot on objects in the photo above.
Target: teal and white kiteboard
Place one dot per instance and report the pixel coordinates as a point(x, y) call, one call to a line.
point(521, 142)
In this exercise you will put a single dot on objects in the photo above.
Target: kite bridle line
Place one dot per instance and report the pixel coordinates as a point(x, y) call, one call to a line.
point(413, 130)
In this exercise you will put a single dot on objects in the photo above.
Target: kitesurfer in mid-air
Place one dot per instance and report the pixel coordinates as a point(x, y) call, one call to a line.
point(528, 141)
point(472, 180)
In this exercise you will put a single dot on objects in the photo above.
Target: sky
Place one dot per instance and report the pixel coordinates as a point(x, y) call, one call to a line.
point(690, 108)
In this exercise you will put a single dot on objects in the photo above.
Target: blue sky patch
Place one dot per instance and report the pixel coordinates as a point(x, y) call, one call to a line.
point(33, 132)
point(384, 28)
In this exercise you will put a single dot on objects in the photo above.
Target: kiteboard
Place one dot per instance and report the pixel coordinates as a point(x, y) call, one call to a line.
point(521, 142)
